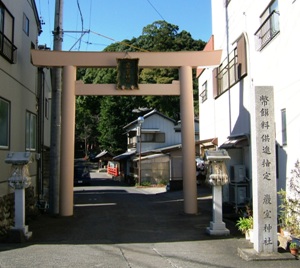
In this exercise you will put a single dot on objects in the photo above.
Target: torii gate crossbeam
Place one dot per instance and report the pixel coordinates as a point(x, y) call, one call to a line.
point(185, 61)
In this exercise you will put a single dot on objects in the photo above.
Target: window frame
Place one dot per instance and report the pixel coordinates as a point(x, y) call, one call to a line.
point(26, 24)
point(7, 47)
point(232, 70)
point(269, 25)
point(153, 137)
point(203, 93)
point(46, 110)
point(283, 127)
point(2, 11)
point(5, 145)
point(30, 131)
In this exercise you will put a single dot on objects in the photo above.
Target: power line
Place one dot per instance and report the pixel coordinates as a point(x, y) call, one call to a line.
point(83, 32)
point(121, 42)
point(90, 19)
point(78, 5)
point(104, 36)
point(155, 9)
point(50, 19)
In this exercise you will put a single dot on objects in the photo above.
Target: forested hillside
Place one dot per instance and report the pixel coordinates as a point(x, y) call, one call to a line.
point(100, 119)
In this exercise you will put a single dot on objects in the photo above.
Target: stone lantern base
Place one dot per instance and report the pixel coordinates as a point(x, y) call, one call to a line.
point(18, 235)
point(217, 229)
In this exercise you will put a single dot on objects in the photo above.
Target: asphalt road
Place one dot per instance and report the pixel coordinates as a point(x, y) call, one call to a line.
point(119, 226)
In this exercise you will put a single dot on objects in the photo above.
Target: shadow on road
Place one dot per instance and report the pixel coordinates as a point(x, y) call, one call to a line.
point(110, 212)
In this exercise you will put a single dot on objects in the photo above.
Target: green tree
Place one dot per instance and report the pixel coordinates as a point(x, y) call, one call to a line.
point(87, 120)
point(115, 112)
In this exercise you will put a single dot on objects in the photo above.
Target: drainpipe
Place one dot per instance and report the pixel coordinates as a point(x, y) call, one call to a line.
point(227, 52)
point(40, 134)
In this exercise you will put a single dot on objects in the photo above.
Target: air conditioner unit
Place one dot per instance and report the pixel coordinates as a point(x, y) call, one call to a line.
point(239, 173)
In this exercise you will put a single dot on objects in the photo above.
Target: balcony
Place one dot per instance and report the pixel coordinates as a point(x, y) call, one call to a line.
point(267, 31)
point(7, 49)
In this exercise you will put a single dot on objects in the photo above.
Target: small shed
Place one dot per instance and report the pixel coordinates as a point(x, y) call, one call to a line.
point(103, 157)
point(155, 168)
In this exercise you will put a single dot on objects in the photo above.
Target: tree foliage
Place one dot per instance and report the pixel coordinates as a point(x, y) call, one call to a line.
point(100, 120)
point(87, 120)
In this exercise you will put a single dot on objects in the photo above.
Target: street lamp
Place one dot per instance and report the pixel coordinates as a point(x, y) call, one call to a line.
point(139, 134)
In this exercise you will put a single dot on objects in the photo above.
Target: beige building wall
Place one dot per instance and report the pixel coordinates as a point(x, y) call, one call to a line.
point(18, 84)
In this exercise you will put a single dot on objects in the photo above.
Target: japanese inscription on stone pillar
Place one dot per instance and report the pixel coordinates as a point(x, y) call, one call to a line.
point(265, 195)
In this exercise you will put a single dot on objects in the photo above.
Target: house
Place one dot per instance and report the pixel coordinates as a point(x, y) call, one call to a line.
point(102, 158)
point(259, 47)
point(157, 156)
point(24, 97)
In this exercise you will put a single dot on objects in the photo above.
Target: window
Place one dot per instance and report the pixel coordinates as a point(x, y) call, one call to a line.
point(30, 131)
point(25, 24)
point(133, 141)
point(203, 94)
point(283, 127)
point(269, 26)
point(4, 123)
point(232, 69)
point(7, 47)
point(153, 137)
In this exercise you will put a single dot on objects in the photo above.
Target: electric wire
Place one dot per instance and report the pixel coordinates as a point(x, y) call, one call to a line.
point(120, 42)
point(83, 41)
point(83, 32)
point(107, 37)
point(49, 23)
point(90, 19)
point(41, 17)
point(78, 40)
point(81, 17)
point(155, 10)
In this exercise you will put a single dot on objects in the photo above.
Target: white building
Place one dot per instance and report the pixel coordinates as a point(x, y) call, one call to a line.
point(157, 144)
point(259, 41)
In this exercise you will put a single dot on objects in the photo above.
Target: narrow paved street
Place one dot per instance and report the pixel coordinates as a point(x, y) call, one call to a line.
point(119, 226)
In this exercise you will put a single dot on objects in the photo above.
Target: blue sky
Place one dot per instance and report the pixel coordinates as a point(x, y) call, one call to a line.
point(110, 21)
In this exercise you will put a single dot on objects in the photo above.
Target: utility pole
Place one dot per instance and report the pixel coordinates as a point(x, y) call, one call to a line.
point(54, 183)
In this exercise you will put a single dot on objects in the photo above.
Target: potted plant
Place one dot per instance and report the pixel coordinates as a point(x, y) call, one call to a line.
point(245, 225)
point(294, 248)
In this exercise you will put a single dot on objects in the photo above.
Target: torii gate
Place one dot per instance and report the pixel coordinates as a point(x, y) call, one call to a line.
point(69, 61)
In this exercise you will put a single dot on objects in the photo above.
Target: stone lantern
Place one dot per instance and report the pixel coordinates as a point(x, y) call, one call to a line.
point(217, 176)
point(19, 180)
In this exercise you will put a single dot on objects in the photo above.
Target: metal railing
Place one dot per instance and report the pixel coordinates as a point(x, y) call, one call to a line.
point(267, 31)
point(7, 49)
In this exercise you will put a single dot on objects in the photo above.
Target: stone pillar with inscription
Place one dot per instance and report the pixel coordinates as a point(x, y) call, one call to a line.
point(264, 171)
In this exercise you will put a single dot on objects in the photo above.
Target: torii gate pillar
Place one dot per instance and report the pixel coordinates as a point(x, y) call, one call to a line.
point(67, 141)
point(188, 140)
point(184, 60)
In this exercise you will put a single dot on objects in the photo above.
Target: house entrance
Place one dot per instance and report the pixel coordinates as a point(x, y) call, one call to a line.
point(184, 61)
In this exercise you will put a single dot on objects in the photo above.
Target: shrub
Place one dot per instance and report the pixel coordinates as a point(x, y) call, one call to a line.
point(244, 224)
